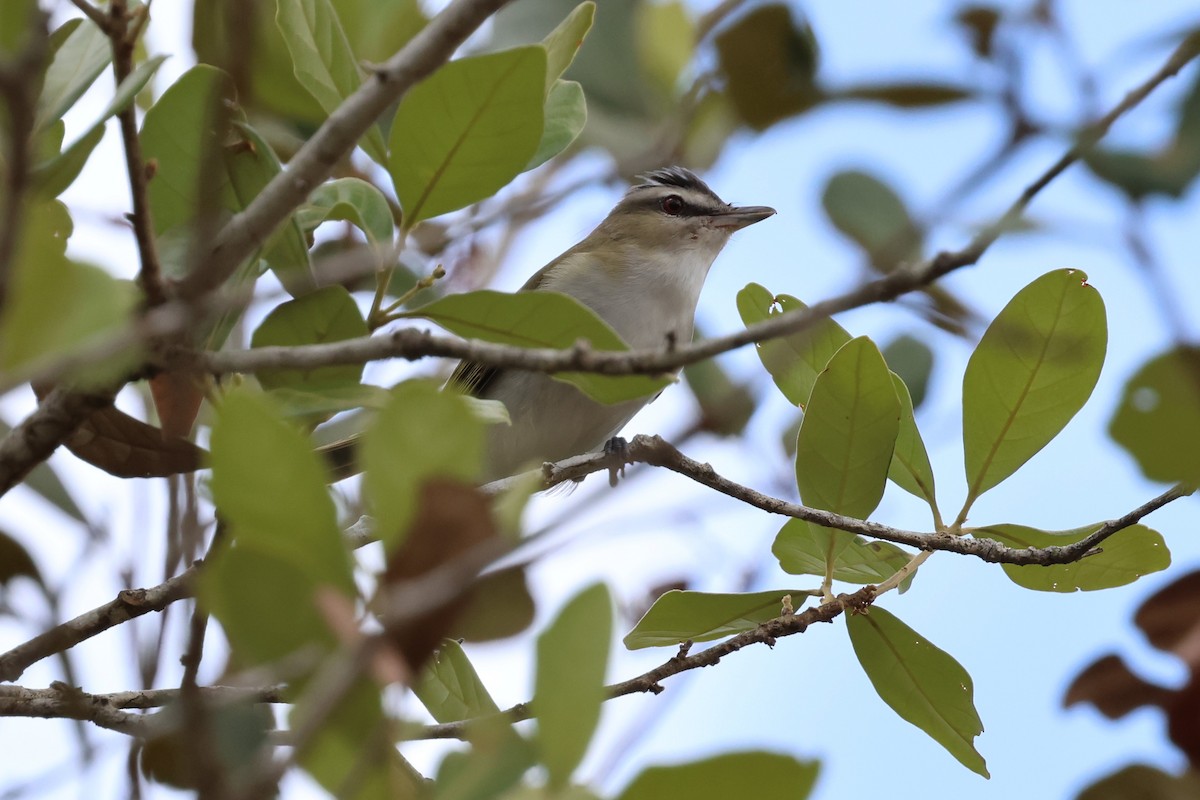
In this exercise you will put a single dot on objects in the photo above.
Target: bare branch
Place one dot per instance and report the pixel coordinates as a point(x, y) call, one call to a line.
point(336, 137)
point(127, 605)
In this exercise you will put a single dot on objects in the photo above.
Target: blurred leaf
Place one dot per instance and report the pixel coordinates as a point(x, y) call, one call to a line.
point(562, 44)
point(1114, 690)
point(16, 23)
point(353, 200)
point(421, 433)
point(1158, 420)
point(326, 401)
point(1031, 372)
point(572, 658)
point(1168, 172)
point(770, 64)
point(565, 115)
point(466, 131)
point(1143, 782)
point(540, 319)
point(15, 562)
point(1123, 558)
point(666, 42)
point(238, 731)
point(45, 481)
point(921, 683)
point(679, 616)
point(322, 60)
point(912, 361)
point(801, 550)
point(496, 760)
point(725, 406)
point(180, 140)
point(450, 688)
point(871, 214)
point(177, 396)
point(57, 306)
point(376, 29)
point(1171, 616)
point(251, 165)
point(906, 95)
point(56, 174)
point(773, 777)
point(324, 316)
point(979, 22)
point(500, 606)
point(713, 121)
point(76, 64)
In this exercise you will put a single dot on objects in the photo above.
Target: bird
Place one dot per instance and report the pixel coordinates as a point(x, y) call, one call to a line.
point(641, 270)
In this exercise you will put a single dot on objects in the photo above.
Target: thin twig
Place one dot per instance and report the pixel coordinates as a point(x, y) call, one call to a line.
point(94, 14)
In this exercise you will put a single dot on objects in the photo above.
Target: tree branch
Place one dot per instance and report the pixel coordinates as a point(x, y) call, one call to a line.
point(337, 136)
point(413, 344)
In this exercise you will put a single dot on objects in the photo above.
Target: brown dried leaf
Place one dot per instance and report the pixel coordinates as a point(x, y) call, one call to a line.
point(1114, 689)
point(177, 398)
point(1170, 618)
point(1183, 721)
point(498, 606)
point(129, 448)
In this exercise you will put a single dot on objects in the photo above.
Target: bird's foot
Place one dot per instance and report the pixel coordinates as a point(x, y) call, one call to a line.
point(617, 451)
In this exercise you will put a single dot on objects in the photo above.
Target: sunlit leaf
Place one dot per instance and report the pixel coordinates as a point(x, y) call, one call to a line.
point(563, 43)
point(540, 319)
point(1031, 372)
point(572, 657)
point(921, 683)
point(467, 130)
point(680, 616)
point(1123, 558)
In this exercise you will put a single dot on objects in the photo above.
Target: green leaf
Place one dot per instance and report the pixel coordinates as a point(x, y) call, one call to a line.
point(907, 95)
point(466, 131)
point(572, 657)
point(910, 468)
point(75, 66)
point(16, 25)
point(251, 165)
point(871, 214)
point(269, 485)
point(1123, 558)
point(801, 546)
point(322, 60)
point(770, 63)
point(376, 29)
point(540, 319)
point(763, 776)
point(420, 434)
point(326, 315)
point(16, 562)
point(1158, 420)
point(1034, 368)
point(911, 360)
point(178, 136)
point(450, 688)
point(666, 42)
point(921, 683)
point(565, 114)
point(849, 432)
point(57, 306)
point(679, 616)
point(564, 42)
point(56, 174)
point(794, 361)
point(353, 200)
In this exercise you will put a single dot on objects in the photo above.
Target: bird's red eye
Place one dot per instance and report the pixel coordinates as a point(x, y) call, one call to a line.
point(672, 204)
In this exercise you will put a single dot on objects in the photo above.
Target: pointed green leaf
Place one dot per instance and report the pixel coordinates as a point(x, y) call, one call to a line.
point(353, 200)
point(450, 688)
point(421, 433)
point(322, 59)
point(1158, 421)
point(910, 468)
point(564, 42)
point(76, 64)
point(849, 432)
point(921, 683)
point(763, 776)
point(794, 361)
point(566, 114)
point(572, 657)
point(467, 130)
point(801, 548)
point(1123, 558)
point(540, 319)
point(326, 315)
point(283, 511)
point(679, 616)
point(1034, 368)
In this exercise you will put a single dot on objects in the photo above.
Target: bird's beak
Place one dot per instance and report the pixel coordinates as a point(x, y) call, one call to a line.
point(738, 218)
